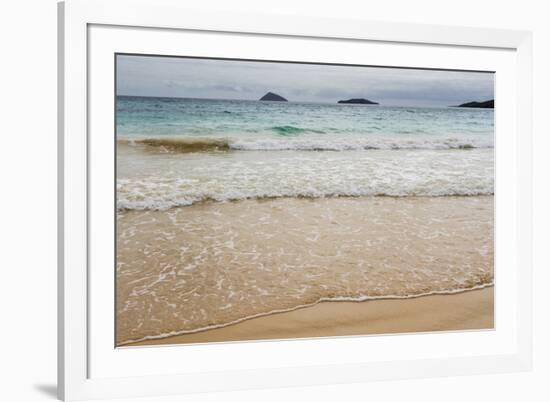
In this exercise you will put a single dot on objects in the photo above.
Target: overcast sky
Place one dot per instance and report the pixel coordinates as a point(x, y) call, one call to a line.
point(228, 79)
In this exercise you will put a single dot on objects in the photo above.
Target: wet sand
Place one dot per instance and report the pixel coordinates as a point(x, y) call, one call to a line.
point(194, 269)
point(463, 311)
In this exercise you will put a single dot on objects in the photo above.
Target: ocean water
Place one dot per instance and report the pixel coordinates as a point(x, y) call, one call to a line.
point(229, 210)
point(174, 152)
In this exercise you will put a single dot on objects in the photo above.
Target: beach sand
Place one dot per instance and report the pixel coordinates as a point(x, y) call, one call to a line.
point(193, 269)
point(462, 311)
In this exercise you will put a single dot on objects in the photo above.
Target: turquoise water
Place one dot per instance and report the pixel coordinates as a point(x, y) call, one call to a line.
point(174, 152)
point(274, 125)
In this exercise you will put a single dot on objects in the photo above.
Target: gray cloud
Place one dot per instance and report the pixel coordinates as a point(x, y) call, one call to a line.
point(229, 79)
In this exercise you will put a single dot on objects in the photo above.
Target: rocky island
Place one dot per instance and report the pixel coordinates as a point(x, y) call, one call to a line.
point(489, 104)
point(358, 101)
point(270, 96)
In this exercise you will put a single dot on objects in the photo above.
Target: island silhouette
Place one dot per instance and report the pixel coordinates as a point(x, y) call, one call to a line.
point(271, 96)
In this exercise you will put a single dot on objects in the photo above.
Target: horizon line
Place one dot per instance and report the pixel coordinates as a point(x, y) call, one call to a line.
point(290, 101)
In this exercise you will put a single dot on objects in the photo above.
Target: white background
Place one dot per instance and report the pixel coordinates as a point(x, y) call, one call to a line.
point(28, 198)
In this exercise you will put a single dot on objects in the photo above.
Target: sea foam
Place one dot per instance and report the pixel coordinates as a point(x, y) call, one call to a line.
point(163, 181)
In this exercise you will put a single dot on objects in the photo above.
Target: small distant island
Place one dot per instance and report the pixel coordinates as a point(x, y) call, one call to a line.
point(489, 104)
point(270, 96)
point(358, 101)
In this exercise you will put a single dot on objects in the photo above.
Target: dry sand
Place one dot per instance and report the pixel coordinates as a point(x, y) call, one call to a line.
point(462, 311)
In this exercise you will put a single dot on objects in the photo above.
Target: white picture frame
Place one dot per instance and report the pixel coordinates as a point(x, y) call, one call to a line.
point(89, 367)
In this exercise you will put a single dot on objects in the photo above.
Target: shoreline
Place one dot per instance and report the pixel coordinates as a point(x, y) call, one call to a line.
point(200, 269)
point(213, 202)
point(465, 310)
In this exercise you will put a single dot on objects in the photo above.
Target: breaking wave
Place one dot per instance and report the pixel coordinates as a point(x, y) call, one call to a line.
point(328, 143)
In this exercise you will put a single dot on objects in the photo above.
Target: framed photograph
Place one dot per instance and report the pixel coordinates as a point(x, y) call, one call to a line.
point(255, 201)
